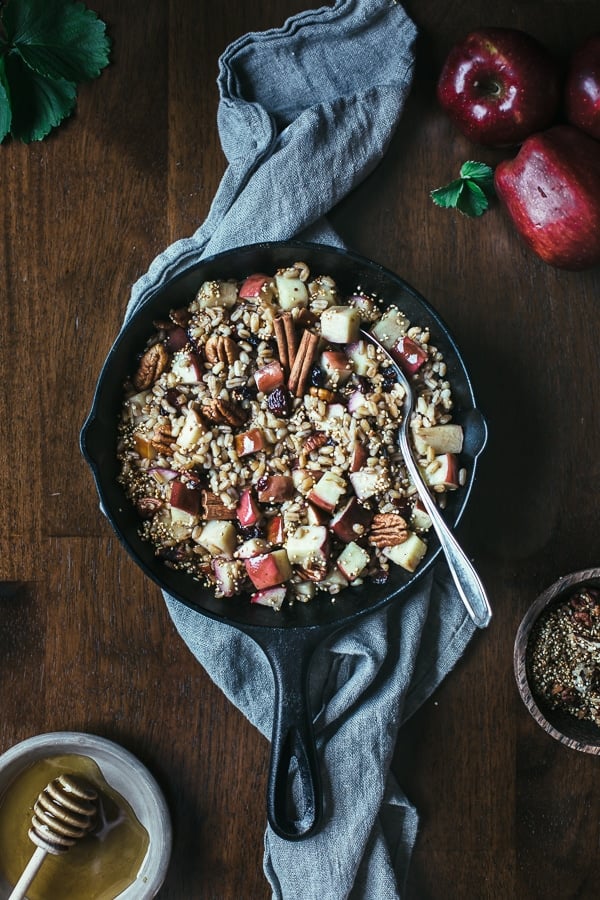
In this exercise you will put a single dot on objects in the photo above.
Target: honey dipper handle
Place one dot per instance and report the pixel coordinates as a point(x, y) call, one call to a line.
point(28, 874)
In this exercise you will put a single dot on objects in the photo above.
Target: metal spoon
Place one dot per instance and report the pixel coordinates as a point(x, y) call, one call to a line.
point(468, 584)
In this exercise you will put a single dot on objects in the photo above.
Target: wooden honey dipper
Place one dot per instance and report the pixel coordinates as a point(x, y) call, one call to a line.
point(64, 812)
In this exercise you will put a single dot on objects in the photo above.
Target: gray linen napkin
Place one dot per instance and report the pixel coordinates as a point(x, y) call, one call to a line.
point(306, 112)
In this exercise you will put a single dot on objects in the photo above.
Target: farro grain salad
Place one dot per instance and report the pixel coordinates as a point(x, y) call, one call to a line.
point(258, 438)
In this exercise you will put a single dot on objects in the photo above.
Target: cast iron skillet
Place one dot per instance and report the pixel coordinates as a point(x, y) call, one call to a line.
point(288, 637)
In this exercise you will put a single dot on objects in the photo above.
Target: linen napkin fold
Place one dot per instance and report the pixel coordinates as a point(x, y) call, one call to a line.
point(306, 112)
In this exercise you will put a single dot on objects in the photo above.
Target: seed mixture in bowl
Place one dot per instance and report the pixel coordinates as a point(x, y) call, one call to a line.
point(258, 438)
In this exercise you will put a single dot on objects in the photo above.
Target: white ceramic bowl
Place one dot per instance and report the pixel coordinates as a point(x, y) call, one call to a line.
point(127, 776)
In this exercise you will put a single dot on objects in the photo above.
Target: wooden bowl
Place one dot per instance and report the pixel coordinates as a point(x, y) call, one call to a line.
point(578, 734)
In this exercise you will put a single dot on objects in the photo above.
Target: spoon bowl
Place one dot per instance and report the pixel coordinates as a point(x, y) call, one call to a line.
point(468, 584)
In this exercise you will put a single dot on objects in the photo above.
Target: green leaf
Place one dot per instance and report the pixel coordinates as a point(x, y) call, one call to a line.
point(472, 200)
point(38, 103)
point(447, 196)
point(479, 172)
point(57, 38)
point(5, 110)
point(470, 193)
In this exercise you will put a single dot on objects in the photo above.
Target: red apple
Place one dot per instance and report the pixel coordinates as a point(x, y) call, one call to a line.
point(273, 597)
point(247, 511)
point(409, 355)
point(551, 191)
point(268, 569)
point(498, 86)
point(275, 533)
point(352, 521)
point(249, 442)
point(253, 285)
point(582, 90)
point(275, 488)
point(269, 376)
point(185, 498)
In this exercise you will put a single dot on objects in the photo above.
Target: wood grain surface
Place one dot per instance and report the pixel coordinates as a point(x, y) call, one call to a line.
point(86, 642)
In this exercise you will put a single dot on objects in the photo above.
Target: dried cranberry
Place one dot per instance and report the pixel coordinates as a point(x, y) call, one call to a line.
point(317, 377)
point(380, 576)
point(262, 483)
point(244, 392)
point(251, 531)
point(175, 398)
point(279, 402)
point(389, 378)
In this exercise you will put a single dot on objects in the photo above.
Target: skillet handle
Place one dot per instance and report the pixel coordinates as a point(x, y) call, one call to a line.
point(293, 749)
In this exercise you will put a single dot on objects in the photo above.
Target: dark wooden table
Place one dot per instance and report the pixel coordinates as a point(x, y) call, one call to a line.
point(86, 644)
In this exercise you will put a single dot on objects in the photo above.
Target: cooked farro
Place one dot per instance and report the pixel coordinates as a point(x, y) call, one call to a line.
point(254, 488)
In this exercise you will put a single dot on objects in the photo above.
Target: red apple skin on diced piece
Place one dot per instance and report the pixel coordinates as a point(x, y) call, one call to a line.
point(273, 597)
point(445, 473)
point(365, 482)
point(252, 286)
point(185, 498)
point(352, 522)
point(309, 546)
point(275, 532)
point(249, 442)
point(409, 355)
point(228, 576)
point(247, 511)
point(268, 569)
point(187, 367)
point(352, 561)
point(358, 456)
point(315, 515)
point(327, 491)
point(177, 339)
point(336, 365)
point(275, 489)
point(269, 376)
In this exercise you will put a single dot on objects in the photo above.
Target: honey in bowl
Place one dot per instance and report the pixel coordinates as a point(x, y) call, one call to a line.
point(98, 867)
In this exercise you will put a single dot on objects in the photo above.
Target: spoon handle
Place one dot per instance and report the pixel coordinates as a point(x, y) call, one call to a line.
point(28, 874)
point(468, 584)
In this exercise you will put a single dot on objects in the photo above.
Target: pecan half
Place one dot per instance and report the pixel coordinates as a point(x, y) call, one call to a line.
point(151, 366)
point(224, 412)
point(220, 348)
point(181, 317)
point(314, 441)
point(162, 439)
point(388, 530)
point(148, 506)
point(212, 507)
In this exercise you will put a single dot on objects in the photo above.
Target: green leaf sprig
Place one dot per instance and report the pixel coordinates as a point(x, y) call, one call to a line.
point(47, 47)
point(470, 193)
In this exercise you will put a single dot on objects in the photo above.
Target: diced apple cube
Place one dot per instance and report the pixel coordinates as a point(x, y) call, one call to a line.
point(143, 446)
point(275, 488)
point(340, 324)
point(184, 518)
point(229, 576)
point(352, 521)
point(442, 472)
point(352, 561)
point(268, 569)
point(249, 442)
point(192, 431)
point(247, 511)
point(315, 515)
point(390, 327)
point(183, 497)
point(273, 597)
point(409, 355)
point(218, 537)
point(358, 455)
point(275, 532)
point(446, 438)
point(420, 519)
point(253, 286)
point(366, 483)
point(309, 547)
point(304, 591)
point(359, 354)
point(251, 547)
point(334, 581)
point(217, 293)
point(409, 554)
point(357, 401)
point(336, 366)
point(327, 491)
point(292, 292)
point(269, 376)
point(324, 290)
point(186, 367)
